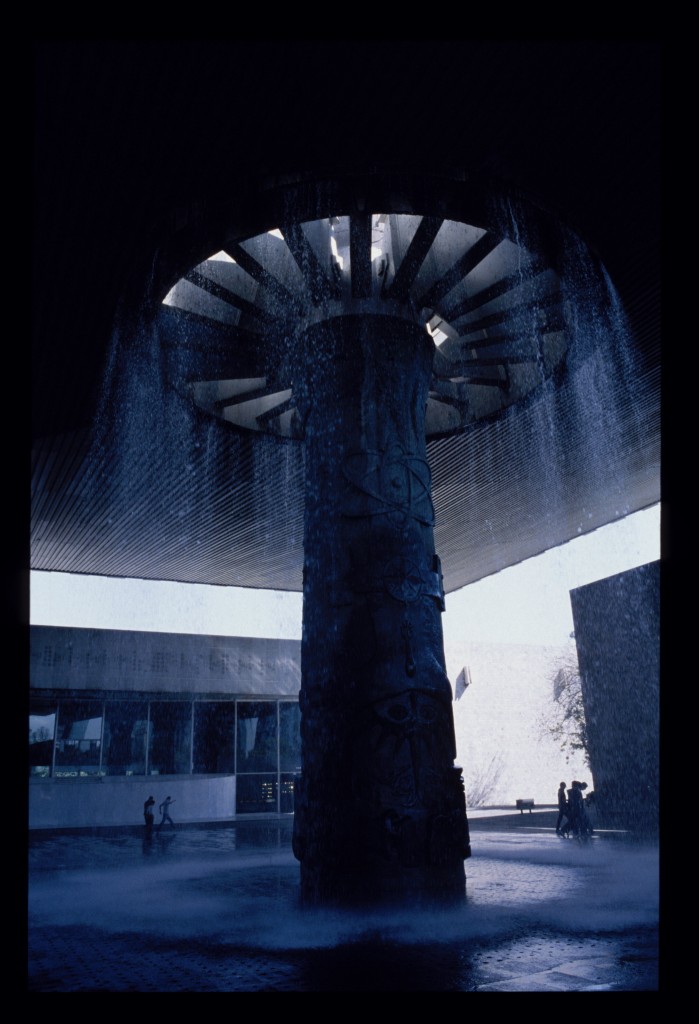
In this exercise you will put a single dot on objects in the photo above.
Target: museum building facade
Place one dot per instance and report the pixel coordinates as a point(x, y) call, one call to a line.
point(117, 716)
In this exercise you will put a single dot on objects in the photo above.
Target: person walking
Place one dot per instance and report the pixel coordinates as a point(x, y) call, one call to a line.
point(562, 811)
point(585, 825)
point(165, 811)
point(148, 815)
point(576, 809)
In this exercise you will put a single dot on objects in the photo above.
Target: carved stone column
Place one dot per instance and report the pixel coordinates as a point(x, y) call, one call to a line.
point(380, 809)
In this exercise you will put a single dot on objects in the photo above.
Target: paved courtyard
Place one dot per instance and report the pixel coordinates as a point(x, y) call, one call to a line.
point(216, 910)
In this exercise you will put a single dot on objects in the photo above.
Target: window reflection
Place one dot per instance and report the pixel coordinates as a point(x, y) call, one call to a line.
point(259, 740)
point(214, 736)
point(286, 794)
point(289, 736)
point(256, 794)
point(78, 738)
point(257, 736)
point(125, 731)
point(42, 726)
point(170, 746)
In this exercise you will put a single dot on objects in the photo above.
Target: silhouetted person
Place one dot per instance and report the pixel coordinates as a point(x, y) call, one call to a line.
point(585, 826)
point(579, 824)
point(562, 811)
point(148, 815)
point(165, 811)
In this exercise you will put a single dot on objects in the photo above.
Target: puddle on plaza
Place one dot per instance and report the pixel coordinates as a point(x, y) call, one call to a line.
point(196, 885)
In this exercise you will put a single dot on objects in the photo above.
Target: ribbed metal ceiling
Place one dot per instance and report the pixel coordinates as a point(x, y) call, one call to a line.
point(221, 506)
point(494, 310)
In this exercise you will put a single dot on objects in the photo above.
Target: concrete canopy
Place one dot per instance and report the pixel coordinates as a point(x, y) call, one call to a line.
point(146, 152)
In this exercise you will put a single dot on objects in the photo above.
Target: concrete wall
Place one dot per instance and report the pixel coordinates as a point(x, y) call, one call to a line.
point(124, 660)
point(118, 801)
point(500, 744)
point(617, 632)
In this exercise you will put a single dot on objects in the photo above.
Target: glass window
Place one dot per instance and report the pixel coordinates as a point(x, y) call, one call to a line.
point(289, 737)
point(257, 736)
point(214, 736)
point(256, 794)
point(286, 793)
point(78, 738)
point(42, 727)
point(170, 742)
point(125, 731)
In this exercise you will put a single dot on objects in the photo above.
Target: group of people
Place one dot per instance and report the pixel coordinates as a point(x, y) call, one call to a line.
point(164, 808)
point(572, 815)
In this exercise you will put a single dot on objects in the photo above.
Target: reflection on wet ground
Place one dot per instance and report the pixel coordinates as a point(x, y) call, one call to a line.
point(216, 910)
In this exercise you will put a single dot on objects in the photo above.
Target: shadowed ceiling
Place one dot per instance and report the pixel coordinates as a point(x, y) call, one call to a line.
point(149, 157)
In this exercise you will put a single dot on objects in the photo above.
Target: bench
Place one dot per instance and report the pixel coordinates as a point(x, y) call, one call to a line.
point(523, 805)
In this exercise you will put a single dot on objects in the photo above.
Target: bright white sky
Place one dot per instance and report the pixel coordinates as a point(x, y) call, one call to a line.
point(526, 604)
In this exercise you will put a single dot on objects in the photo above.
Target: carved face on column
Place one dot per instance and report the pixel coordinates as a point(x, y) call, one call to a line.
point(393, 483)
point(397, 754)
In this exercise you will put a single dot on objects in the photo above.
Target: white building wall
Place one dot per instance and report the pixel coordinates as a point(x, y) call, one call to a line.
point(499, 744)
point(119, 800)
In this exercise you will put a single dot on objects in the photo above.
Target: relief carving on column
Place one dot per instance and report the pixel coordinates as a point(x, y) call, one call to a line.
point(393, 482)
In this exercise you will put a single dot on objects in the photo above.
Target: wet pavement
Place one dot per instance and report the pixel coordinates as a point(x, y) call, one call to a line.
point(216, 909)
